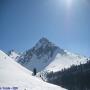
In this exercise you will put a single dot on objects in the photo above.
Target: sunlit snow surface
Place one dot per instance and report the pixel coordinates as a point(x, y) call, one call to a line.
point(14, 75)
point(60, 62)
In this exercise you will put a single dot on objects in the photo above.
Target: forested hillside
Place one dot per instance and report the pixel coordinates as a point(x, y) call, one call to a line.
point(77, 77)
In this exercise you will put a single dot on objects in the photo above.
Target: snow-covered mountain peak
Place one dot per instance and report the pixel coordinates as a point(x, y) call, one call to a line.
point(44, 47)
point(43, 40)
point(40, 55)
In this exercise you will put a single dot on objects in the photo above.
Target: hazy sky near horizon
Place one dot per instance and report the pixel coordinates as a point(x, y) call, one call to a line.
point(64, 22)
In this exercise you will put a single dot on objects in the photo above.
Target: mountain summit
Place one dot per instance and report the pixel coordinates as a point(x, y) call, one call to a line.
point(40, 55)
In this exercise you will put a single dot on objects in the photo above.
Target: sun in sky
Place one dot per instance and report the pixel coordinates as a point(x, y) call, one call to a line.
point(69, 3)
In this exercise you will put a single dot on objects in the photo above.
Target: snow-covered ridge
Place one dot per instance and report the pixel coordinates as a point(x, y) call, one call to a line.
point(14, 55)
point(14, 75)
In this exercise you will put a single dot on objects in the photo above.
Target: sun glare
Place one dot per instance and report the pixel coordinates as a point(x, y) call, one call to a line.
point(69, 3)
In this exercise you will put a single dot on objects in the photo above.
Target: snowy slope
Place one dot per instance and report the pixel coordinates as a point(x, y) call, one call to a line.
point(60, 62)
point(14, 75)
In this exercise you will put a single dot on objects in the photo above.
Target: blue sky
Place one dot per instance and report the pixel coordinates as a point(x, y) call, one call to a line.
point(24, 22)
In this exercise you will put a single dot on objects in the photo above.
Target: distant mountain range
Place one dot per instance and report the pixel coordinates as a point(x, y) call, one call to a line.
point(45, 55)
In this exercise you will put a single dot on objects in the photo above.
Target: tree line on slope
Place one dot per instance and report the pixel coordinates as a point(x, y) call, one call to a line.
point(77, 77)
